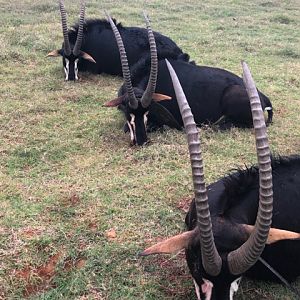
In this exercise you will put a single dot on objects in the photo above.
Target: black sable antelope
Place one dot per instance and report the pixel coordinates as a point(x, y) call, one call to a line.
point(96, 50)
point(135, 103)
point(231, 225)
point(71, 51)
point(214, 95)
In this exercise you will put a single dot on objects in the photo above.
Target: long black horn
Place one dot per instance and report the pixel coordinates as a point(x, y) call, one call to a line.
point(244, 257)
point(211, 259)
point(76, 49)
point(133, 103)
point(147, 96)
point(67, 48)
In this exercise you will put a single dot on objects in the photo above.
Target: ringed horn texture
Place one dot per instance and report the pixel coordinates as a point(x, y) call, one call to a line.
point(245, 256)
point(67, 47)
point(211, 259)
point(133, 103)
point(76, 49)
point(147, 96)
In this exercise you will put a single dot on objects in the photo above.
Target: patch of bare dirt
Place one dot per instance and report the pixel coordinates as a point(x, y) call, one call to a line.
point(38, 279)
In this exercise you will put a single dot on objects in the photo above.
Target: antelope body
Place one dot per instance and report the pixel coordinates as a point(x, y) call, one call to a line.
point(96, 49)
point(135, 103)
point(99, 42)
point(214, 95)
point(234, 222)
point(233, 200)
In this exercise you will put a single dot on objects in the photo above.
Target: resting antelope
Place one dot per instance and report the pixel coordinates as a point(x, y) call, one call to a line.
point(90, 46)
point(230, 224)
point(216, 96)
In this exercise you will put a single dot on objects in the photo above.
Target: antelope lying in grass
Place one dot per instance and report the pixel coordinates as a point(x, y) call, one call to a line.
point(231, 225)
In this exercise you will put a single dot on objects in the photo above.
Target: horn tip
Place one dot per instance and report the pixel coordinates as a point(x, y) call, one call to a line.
point(168, 64)
point(106, 14)
point(145, 14)
point(244, 64)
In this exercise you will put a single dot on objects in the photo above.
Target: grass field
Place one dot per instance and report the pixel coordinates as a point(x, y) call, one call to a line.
point(77, 203)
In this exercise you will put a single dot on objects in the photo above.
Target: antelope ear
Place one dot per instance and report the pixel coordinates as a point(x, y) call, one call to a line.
point(171, 245)
point(54, 53)
point(160, 97)
point(114, 102)
point(87, 56)
point(276, 235)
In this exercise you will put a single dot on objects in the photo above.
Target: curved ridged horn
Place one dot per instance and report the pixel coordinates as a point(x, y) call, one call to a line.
point(76, 49)
point(147, 96)
point(211, 259)
point(133, 103)
point(245, 256)
point(67, 48)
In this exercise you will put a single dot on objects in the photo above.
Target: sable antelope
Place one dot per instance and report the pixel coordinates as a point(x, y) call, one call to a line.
point(71, 52)
point(216, 96)
point(231, 225)
point(135, 103)
point(96, 50)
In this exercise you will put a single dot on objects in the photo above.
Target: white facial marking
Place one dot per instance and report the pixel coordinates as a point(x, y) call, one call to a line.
point(66, 68)
point(76, 68)
point(234, 287)
point(206, 288)
point(131, 126)
point(197, 289)
point(131, 132)
point(268, 108)
point(132, 120)
point(146, 118)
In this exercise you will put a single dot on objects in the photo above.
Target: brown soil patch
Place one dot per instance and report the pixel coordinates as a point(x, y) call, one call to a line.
point(38, 279)
point(41, 278)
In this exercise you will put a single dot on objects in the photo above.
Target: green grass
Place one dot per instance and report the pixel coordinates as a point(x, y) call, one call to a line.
point(68, 174)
